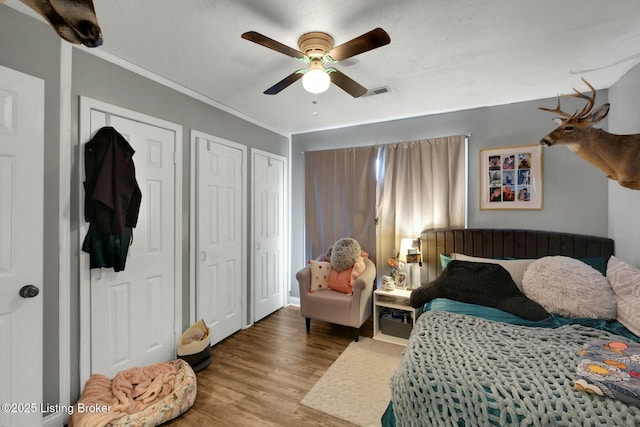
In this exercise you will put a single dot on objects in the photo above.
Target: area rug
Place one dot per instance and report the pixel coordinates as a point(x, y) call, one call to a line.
point(356, 386)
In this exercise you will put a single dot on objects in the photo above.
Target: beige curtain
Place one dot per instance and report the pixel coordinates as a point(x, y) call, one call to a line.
point(340, 188)
point(421, 188)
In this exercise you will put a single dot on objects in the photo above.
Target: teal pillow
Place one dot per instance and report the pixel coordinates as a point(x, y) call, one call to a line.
point(444, 260)
point(599, 263)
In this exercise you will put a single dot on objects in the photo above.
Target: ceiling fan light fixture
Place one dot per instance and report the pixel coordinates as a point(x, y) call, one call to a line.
point(316, 81)
point(316, 49)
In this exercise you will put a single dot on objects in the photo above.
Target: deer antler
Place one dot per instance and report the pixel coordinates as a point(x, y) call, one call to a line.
point(557, 110)
point(590, 100)
point(585, 110)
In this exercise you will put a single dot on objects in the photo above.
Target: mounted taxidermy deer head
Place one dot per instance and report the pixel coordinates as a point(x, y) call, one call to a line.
point(74, 20)
point(618, 156)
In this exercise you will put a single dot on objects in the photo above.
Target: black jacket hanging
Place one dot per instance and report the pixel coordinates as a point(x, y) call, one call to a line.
point(112, 199)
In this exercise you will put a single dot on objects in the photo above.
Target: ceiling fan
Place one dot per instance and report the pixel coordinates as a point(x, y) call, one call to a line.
point(316, 50)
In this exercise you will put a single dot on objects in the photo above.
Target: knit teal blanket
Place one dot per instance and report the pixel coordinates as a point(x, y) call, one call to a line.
point(460, 370)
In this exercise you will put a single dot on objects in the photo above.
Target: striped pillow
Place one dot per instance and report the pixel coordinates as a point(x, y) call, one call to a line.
point(625, 281)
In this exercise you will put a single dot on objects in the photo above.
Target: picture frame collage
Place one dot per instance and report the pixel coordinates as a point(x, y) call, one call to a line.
point(511, 177)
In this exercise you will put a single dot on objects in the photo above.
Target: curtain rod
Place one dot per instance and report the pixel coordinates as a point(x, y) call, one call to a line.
point(467, 135)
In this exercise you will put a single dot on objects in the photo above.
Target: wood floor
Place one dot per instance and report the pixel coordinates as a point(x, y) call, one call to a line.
point(258, 376)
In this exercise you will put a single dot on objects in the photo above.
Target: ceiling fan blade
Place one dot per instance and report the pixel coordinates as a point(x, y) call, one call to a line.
point(272, 44)
point(284, 83)
point(347, 84)
point(368, 41)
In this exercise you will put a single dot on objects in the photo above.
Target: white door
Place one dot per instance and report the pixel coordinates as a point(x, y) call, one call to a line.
point(269, 191)
point(220, 231)
point(133, 313)
point(21, 214)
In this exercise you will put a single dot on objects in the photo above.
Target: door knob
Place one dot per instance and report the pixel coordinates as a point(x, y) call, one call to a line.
point(29, 291)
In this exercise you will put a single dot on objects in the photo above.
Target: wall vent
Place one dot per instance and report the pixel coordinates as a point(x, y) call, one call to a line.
point(377, 91)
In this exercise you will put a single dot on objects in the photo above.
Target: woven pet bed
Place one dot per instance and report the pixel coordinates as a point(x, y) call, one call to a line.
point(151, 408)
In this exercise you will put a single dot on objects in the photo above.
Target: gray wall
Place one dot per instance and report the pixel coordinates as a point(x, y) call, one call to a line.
point(624, 204)
point(30, 46)
point(104, 81)
point(574, 192)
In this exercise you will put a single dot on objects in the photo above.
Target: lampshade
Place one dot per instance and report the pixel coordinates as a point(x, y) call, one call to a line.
point(410, 250)
point(405, 244)
point(410, 254)
point(316, 81)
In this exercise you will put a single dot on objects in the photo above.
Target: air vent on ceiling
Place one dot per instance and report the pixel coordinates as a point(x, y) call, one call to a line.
point(377, 91)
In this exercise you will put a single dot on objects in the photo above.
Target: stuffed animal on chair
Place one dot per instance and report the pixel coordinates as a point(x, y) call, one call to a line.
point(344, 253)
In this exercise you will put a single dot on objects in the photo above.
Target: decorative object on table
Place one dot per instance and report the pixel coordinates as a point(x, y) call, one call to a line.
point(388, 284)
point(511, 178)
point(618, 156)
point(401, 281)
point(396, 265)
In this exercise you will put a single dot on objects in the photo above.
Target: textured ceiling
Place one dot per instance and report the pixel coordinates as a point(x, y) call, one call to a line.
point(444, 55)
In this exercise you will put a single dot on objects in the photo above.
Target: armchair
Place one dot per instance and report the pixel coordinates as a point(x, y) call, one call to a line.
point(336, 307)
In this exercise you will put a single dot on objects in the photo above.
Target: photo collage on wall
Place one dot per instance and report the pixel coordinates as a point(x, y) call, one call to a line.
point(509, 177)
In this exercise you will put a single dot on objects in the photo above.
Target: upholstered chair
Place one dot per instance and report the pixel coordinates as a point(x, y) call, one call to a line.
point(336, 307)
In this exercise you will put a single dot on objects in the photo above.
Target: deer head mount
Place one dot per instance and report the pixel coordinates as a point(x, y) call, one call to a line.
point(74, 20)
point(618, 156)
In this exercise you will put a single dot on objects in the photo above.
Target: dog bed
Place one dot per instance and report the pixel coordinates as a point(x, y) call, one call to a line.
point(137, 397)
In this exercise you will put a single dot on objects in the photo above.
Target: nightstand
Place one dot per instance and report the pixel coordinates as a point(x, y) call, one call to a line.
point(393, 317)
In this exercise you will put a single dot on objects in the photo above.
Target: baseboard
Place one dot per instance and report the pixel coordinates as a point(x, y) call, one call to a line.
point(55, 420)
point(295, 301)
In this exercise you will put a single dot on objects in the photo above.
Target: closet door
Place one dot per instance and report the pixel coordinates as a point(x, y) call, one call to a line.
point(133, 317)
point(220, 235)
point(269, 232)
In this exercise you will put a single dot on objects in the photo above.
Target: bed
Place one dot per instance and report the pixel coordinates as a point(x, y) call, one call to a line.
point(484, 353)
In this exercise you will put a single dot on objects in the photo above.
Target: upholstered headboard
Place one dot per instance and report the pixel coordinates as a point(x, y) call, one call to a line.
point(491, 243)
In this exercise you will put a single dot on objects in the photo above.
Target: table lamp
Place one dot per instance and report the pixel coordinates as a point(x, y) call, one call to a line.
point(410, 254)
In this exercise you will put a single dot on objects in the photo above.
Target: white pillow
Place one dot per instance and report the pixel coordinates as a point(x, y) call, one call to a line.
point(625, 281)
point(320, 272)
point(568, 287)
point(515, 267)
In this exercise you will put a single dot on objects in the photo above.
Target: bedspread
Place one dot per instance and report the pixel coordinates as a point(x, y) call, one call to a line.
point(466, 371)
